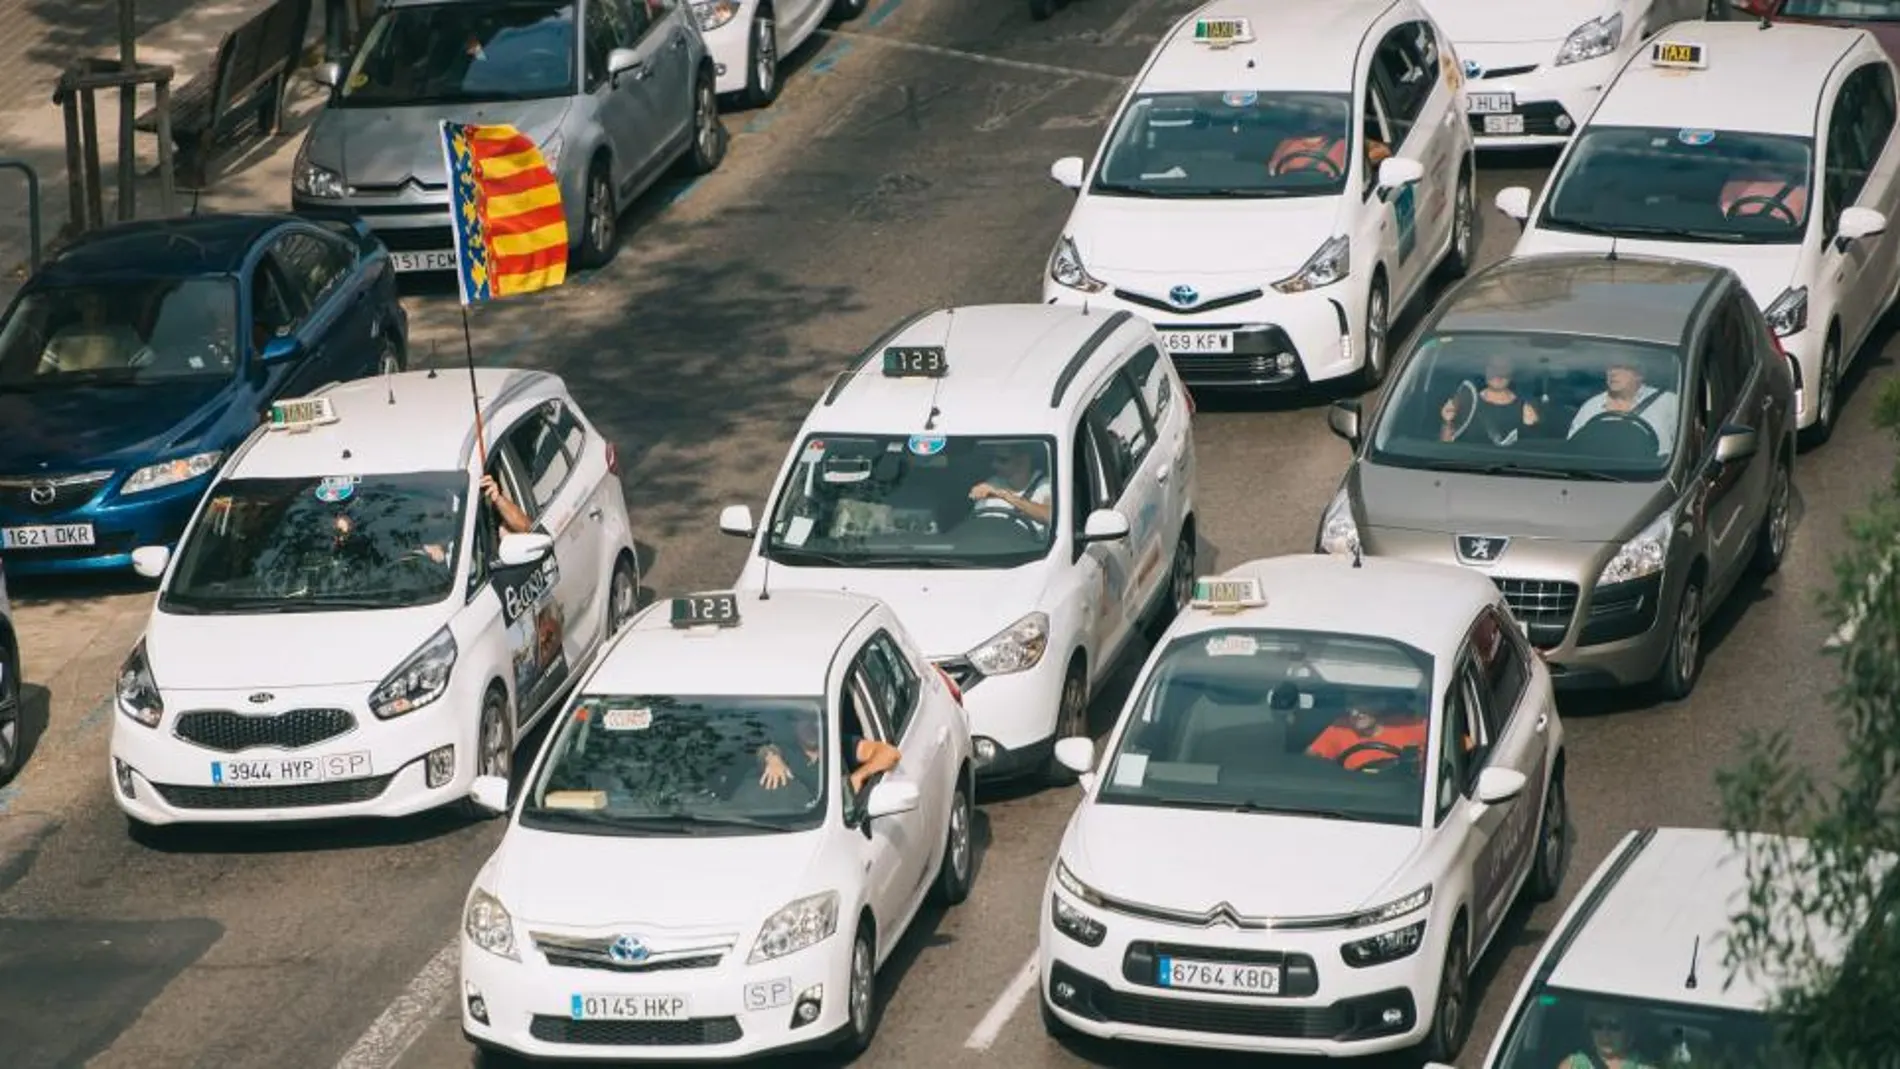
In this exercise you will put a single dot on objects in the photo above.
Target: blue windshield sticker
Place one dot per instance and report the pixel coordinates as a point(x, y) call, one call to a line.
point(333, 489)
point(1240, 99)
point(926, 445)
point(1695, 137)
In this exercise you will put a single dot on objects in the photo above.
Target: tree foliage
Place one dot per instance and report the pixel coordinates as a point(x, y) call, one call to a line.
point(1843, 1011)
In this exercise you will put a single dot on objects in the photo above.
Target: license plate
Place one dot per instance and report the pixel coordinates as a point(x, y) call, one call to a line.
point(46, 537)
point(628, 1008)
point(1491, 103)
point(288, 771)
point(1197, 341)
point(1219, 976)
point(1504, 124)
point(423, 261)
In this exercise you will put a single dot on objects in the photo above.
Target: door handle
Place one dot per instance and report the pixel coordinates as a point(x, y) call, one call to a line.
point(1767, 402)
point(679, 41)
point(1161, 476)
point(594, 513)
point(1543, 722)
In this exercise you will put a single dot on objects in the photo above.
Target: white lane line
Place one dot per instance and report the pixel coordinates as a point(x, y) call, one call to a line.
point(1005, 1007)
point(404, 1021)
point(973, 57)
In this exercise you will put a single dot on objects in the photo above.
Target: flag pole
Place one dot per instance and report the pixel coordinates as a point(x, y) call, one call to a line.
point(464, 192)
point(468, 349)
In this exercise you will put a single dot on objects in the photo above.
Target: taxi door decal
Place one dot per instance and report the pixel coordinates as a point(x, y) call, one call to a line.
point(536, 632)
point(1405, 213)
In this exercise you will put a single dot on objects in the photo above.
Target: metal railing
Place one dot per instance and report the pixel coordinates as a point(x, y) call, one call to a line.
point(32, 207)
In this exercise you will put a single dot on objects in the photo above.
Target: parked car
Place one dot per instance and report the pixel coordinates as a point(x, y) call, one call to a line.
point(133, 361)
point(749, 38)
point(1878, 17)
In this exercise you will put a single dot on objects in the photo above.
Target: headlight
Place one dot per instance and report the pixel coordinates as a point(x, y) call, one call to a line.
point(551, 153)
point(417, 681)
point(1065, 266)
point(310, 180)
point(1598, 37)
point(713, 14)
point(1016, 648)
point(1338, 534)
point(137, 691)
point(1643, 555)
point(1076, 924)
point(1329, 263)
point(804, 923)
point(172, 472)
point(489, 926)
point(1393, 910)
point(1384, 947)
point(1789, 314)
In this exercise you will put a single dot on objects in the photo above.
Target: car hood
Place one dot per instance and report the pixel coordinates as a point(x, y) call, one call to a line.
point(387, 146)
point(1765, 269)
point(1409, 499)
point(1165, 242)
point(1489, 22)
point(70, 428)
point(1279, 866)
point(285, 650)
point(671, 882)
point(949, 611)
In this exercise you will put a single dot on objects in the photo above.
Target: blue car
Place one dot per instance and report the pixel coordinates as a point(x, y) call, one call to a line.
point(136, 359)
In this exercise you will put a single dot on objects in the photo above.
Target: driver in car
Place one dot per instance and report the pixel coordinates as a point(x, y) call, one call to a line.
point(1363, 737)
point(1015, 486)
point(1625, 394)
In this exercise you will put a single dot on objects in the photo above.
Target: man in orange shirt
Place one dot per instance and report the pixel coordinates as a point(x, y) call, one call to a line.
point(1362, 738)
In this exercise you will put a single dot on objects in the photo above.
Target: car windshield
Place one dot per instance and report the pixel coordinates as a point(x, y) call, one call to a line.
point(121, 333)
point(916, 501)
point(1303, 723)
point(644, 764)
point(1559, 1027)
point(1685, 185)
point(1237, 144)
point(317, 544)
point(465, 53)
point(1845, 10)
point(1558, 406)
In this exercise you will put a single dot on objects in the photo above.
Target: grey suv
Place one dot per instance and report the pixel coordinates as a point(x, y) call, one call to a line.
point(614, 91)
point(1611, 439)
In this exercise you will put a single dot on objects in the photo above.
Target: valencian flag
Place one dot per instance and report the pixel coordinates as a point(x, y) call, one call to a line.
point(510, 231)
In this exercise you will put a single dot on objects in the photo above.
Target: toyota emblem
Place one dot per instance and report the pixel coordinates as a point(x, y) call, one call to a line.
point(627, 950)
point(1184, 296)
point(42, 493)
point(1474, 69)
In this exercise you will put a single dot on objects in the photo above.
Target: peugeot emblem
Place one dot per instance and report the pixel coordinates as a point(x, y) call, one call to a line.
point(42, 493)
point(1480, 549)
point(1184, 296)
point(261, 697)
point(627, 950)
point(1474, 69)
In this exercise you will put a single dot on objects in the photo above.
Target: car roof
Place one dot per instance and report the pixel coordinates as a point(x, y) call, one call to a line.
point(430, 426)
point(1639, 298)
point(785, 643)
point(1731, 93)
point(182, 246)
point(1005, 361)
point(1668, 908)
point(1297, 45)
point(1429, 607)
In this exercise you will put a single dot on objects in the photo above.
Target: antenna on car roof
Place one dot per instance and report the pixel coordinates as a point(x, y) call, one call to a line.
point(765, 573)
point(1695, 951)
point(195, 194)
point(1767, 23)
point(1358, 554)
point(433, 346)
point(1612, 256)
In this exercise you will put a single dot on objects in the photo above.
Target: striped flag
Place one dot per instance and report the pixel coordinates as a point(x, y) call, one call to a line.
point(510, 231)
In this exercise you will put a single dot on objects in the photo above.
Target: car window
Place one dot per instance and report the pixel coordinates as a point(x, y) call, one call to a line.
point(1150, 373)
point(537, 440)
point(312, 264)
point(1846, 155)
point(604, 28)
point(480, 51)
point(120, 331)
point(1228, 144)
point(888, 674)
point(640, 16)
point(866, 714)
point(1377, 138)
point(1126, 433)
point(1506, 667)
point(1455, 759)
point(1407, 79)
point(1724, 370)
point(276, 307)
point(1876, 117)
point(1696, 186)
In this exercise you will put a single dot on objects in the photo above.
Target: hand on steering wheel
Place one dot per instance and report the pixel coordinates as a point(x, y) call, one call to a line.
point(1775, 207)
point(1629, 420)
point(1332, 170)
point(1389, 755)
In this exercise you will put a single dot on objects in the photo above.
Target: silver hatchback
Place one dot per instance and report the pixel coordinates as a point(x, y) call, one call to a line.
point(614, 91)
point(1611, 439)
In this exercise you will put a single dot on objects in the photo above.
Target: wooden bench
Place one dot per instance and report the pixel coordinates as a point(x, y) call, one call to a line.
point(241, 92)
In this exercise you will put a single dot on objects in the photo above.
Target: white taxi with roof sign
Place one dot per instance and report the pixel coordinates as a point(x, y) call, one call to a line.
point(1017, 481)
point(345, 629)
point(1790, 181)
point(711, 865)
point(1271, 201)
point(1311, 819)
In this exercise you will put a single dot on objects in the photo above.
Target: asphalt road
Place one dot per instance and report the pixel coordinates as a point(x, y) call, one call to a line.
point(905, 166)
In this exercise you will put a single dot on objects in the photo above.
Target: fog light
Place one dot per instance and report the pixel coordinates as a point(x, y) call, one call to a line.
point(123, 772)
point(441, 766)
point(719, 69)
point(1285, 363)
point(810, 1004)
point(1562, 123)
point(986, 751)
point(477, 1006)
point(1392, 1017)
point(1065, 991)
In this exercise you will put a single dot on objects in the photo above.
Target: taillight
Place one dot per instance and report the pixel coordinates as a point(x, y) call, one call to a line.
point(955, 691)
point(613, 458)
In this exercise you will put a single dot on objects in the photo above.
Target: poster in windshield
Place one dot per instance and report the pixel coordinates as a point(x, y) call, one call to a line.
point(535, 625)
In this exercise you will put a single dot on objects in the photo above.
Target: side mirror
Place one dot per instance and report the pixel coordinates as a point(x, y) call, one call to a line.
point(621, 60)
point(1067, 172)
point(150, 561)
point(1397, 172)
point(280, 348)
point(1514, 201)
point(1859, 223)
point(329, 75)
point(1104, 525)
point(737, 520)
point(889, 798)
point(1736, 443)
point(489, 792)
point(1343, 419)
point(1499, 785)
point(518, 549)
point(1077, 754)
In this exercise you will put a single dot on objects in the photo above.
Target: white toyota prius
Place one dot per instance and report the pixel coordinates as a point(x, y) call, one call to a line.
point(1331, 782)
point(699, 867)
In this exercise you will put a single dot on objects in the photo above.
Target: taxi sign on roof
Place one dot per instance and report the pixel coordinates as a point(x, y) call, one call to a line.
point(302, 413)
point(706, 610)
point(1222, 32)
point(1680, 55)
point(916, 362)
point(1227, 594)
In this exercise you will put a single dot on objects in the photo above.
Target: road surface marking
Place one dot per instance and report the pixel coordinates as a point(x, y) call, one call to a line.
point(408, 1017)
point(1004, 1008)
point(994, 61)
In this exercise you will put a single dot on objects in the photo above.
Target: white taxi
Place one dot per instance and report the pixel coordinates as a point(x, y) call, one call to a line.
point(1332, 780)
point(346, 630)
point(1281, 180)
point(1017, 481)
point(661, 894)
point(747, 38)
point(1534, 71)
point(1790, 181)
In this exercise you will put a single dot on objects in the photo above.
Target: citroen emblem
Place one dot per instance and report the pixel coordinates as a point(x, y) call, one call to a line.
point(1480, 549)
point(42, 493)
point(261, 697)
point(627, 950)
point(1474, 69)
point(1184, 296)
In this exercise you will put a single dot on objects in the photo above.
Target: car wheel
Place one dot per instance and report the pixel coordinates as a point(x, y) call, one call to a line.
point(1771, 544)
point(12, 740)
point(761, 68)
point(601, 224)
point(1464, 227)
point(1072, 719)
point(1826, 391)
point(494, 748)
point(1378, 321)
point(955, 874)
point(623, 595)
point(861, 993)
point(846, 10)
point(390, 359)
point(1451, 1016)
point(1180, 586)
point(709, 131)
point(1683, 665)
point(1553, 844)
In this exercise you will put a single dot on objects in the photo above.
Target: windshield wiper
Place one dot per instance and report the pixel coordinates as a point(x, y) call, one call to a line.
point(621, 825)
point(812, 556)
point(1529, 471)
point(1251, 806)
point(1644, 230)
point(921, 561)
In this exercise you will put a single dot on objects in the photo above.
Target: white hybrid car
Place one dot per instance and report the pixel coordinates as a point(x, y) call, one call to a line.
point(749, 38)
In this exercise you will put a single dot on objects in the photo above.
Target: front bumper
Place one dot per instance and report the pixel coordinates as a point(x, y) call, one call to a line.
point(1012, 717)
point(1327, 1008)
point(735, 1011)
point(730, 47)
point(1804, 350)
point(1549, 101)
point(119, 526)
point(414, 224)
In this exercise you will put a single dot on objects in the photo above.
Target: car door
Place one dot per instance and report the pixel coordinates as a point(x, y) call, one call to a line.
point(1098, 569)
point(1725, 378)
point(921, 739)
point(1415, 113)
point(1878, 258)
point(1124, 441)
point(596, 495)
point(620, 100)
point(1172, 416)
point(559, 501)
point(894, 841)
point(341, 325)
point(1516, 732)
point(1467, 727)
point(1851, 272)
point(276, 309)
point(533, 611)
point(671, 87)
point(1375, 223)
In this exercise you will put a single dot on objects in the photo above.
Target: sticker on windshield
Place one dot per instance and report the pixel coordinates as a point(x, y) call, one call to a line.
point(1695, 137)
point(1240, 99)
point(1130, 770)
point(797, 531)
point(333, 489)
point(814, 451)
point(926, 445)
point(575, 800)
point(627, 719)
point(1232, 646)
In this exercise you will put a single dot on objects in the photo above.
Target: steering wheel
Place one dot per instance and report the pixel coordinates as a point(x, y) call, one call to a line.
point(1326, 162)
point(1389, 755)
point(1021, 521)
point(1775, 205)
point(1627, 420)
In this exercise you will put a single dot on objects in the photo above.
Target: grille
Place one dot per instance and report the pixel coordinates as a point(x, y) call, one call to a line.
point(1189, 1015)
point(301, 796)
point(1504, 72)
point(417, 239)
point(229, 732)
point(698, 1032)
point(66, 491)
point(1164, 305)
point(1540, 120)
point(1544, 607)
point(1252, 363)
point(570, 960)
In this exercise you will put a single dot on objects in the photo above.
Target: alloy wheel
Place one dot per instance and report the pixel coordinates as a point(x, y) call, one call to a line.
point(707, 116)
point(622, 599)
point(9, 714)
point(1780, 512)
point(1556, 821)
point(1183, 578)
point(1073, 714)
point(1449, 1020)
point(1688, 635)
point(600, 213)
point(496, 756)
point(765, 52)
point(960, 837)
point(1463, 215)
point(863, 984)
point(1375, 331)
point(1828, 388)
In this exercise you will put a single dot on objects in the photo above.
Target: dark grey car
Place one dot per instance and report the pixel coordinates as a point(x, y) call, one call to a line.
point(1611, 439)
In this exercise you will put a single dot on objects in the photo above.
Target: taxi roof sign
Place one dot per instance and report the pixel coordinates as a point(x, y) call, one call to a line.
point(301, 413)
point(916, 362)
point(706, 610)
point(1222, 32)
point(1679, 55)
point(1228, 593)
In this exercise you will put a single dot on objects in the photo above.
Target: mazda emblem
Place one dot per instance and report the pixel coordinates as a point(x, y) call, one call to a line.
point(1480, 549)
point(1183, 296)
point(261, 697)
point(42, 493)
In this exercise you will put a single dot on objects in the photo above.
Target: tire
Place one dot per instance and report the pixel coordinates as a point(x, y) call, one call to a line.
point(494, 747)
point(390, 358)
point(1683, 665)
point(1451, 1009)
point(1827, 392)
point(1180, 586)
point(861, 1006)
point(761, 60)
point(623, 595)
point(1041, 9)
point(1072, 718)
point(600, 219)
point(12, 736)
point(846, 10)
point(1552, 859)
point(1462, 253)
point(1771, 542)
point(958, 870)
point(708, 150)
point(1377, 338)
